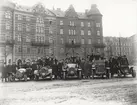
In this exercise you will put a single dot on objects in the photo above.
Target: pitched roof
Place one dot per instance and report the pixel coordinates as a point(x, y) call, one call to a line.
point(58, 12)
point(94, 10)
point(70, 12)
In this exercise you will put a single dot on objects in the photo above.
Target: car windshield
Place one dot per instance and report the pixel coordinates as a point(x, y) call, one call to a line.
point(71, 65)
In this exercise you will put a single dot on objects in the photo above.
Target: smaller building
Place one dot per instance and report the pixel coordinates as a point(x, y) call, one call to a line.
point(116, 46)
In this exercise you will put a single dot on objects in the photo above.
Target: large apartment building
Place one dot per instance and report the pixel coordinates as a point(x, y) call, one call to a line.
point(27, 33)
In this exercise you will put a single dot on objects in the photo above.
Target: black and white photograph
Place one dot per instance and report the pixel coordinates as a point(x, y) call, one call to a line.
point(68, 52)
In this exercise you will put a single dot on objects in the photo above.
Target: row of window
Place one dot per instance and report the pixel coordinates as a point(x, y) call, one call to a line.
point(72, 23)
point(20, 17)
point(123, 48)
point(123, 44)
point(39, 19)
point(82, 41)
point(19, 27)
point(50, 50)
point(39, 38)
point(122, 53)
point(89, 50)
point(8, 15)
point(28, 39)
point(73, 32)
point(39, 29)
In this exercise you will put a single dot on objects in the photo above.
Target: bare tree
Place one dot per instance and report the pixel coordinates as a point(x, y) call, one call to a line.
point(6, 51)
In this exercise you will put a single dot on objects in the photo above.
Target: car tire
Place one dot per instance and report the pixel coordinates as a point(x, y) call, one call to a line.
point(108, 74)
point(119, 74)
point(25, 77)
point(79, 75)
point(133, 73)
point(51, 77)
point(92, 74)
point(64, 75)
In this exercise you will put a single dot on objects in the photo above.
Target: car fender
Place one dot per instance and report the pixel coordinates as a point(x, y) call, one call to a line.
point(79, 69)
point(36, 72)
point(50, 70)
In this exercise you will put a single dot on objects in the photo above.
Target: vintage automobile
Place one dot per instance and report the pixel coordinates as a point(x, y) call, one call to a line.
point(43, 73)
point(71, 70)
point(99, 68)
point(20, 74)
point(124, 69)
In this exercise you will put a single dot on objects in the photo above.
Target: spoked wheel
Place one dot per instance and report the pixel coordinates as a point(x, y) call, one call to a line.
point(133, 73)
point(25, 77)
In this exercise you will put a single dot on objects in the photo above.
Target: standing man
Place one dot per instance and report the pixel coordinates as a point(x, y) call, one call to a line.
point(55, 69)
point(60, 65)
point(14, 67)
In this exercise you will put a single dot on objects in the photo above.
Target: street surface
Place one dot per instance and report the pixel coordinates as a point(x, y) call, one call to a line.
point(116, 91)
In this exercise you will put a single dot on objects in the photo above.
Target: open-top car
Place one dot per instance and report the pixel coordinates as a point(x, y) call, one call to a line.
point(20, 74)
point(72, 70)
point(124, 68)
point(43, 73)
point(100, 68)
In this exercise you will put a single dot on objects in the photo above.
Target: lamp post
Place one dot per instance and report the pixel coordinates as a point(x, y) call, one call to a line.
point(72, 48)
point(21, 49)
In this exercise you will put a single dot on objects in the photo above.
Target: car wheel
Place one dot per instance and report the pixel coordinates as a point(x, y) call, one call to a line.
point(108, 74)
point(36, 78)
point(119, 74)
point(133, 73)
point(25, 77)
point(92, 74)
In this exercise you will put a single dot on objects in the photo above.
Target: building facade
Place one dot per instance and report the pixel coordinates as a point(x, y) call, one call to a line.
point(28, 33)
point(83, 29)
point(133, 39)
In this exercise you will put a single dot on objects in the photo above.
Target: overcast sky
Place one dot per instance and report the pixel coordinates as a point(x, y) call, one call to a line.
point(118, 15)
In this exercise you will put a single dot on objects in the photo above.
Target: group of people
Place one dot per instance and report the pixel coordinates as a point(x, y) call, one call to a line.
point(115, 63)
point(56, 65)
